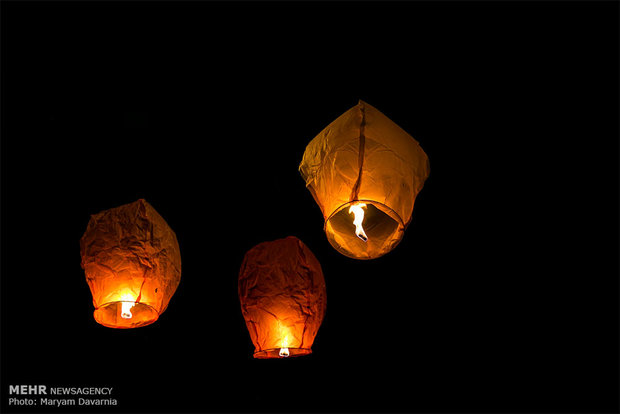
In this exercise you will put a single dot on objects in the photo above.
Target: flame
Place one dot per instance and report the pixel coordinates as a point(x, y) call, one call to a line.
point(284, 348)
point(285, 342)
point(358, 218)
point(128, 302)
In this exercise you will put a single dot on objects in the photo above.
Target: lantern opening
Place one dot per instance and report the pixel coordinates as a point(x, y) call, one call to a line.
point(124, 314)
point(278, 353)
point(382, 229)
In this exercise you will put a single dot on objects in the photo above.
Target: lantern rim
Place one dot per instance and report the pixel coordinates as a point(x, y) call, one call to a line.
point(397, 234)
point(274, 353)
point(386, 209)
point(104, 315)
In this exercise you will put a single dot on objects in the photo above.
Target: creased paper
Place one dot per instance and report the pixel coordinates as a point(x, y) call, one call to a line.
point(283, 297)
point(364, 156)
point(132, 263)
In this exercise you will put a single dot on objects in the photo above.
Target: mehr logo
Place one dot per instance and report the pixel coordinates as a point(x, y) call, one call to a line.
point(60, 396)
point(27, 389)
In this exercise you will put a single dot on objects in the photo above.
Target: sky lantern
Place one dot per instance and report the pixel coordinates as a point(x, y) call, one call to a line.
point(364, 172)
point(132, 263)
point(283, 297)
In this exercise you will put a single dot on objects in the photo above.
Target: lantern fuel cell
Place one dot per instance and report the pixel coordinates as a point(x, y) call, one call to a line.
point(132, 263)
point(364, 172)
point(283, 297)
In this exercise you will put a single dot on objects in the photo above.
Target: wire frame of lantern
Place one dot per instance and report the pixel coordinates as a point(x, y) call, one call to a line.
point(364, 172)
point(132, 263)
point(283, 297)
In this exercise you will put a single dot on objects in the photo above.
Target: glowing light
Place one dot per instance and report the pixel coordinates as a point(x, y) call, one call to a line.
point(284, 342)
point(127, 303)
point(358, 218)
point(284, 350)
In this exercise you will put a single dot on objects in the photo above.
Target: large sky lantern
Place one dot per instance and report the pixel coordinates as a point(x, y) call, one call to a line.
point(364, 172)
point(283, 297)
point(132, 263)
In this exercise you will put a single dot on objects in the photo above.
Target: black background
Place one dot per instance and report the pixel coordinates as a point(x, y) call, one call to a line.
point(502, 295)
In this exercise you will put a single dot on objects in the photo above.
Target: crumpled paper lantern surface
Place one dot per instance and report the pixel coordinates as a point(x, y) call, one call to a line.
point(364, 159)
point(132, 263)
point(283, 297)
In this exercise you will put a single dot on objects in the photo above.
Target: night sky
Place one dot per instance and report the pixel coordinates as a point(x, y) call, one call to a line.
point(502, 295)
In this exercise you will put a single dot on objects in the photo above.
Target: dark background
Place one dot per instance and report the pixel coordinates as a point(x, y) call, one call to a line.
point(502, 295)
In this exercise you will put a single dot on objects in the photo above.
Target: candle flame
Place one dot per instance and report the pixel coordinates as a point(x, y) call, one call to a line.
point(358, 218)
point(127, 303)
point(284, 349)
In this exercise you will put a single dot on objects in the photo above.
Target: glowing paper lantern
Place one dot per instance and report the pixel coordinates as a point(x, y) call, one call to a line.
point(132, 263)
point(364, 172)
point(283, 298)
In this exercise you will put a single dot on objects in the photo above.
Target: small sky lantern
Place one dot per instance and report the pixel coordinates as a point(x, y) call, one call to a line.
point(364, 172)
point(283, 297)
point(132, 263)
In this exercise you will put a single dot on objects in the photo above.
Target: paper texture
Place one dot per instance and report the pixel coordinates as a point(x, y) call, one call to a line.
point(130, 255)
point(363, 155)
point(283, 297)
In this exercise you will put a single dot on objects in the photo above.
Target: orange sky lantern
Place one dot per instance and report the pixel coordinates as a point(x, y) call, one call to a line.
point(283, 297)
point(364, 172)
point(132, 263)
